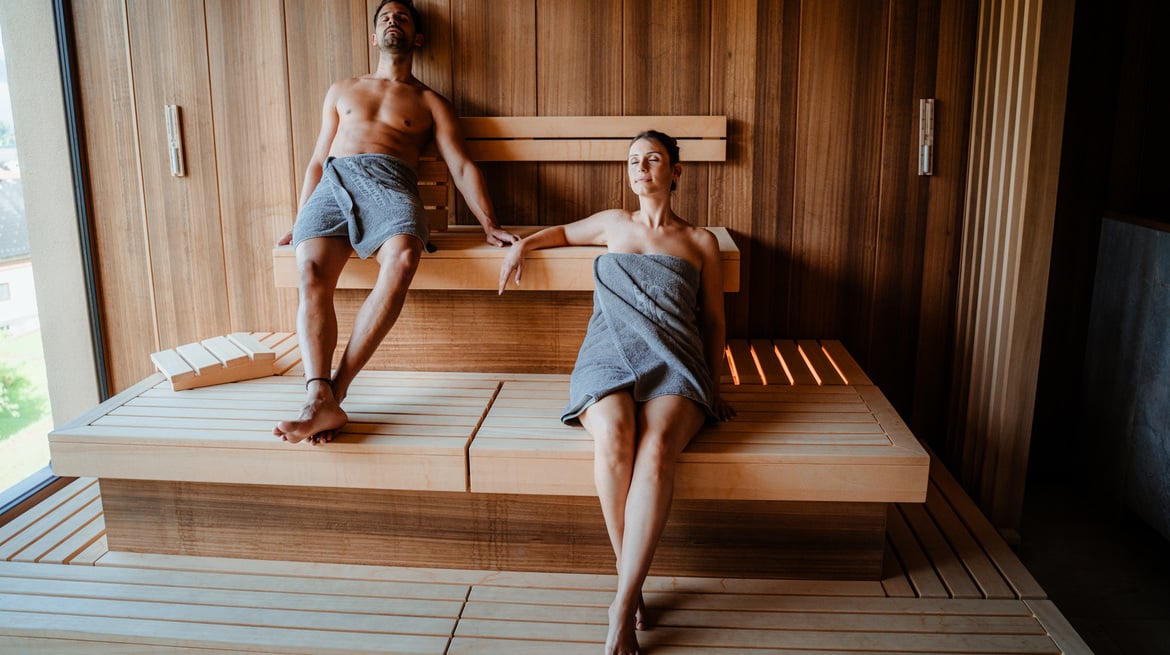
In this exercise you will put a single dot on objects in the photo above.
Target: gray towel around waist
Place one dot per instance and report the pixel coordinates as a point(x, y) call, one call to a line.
point(643, 334)
point(367, 197)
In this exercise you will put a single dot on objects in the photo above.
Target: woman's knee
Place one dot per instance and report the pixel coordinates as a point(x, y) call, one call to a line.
point(613, 443)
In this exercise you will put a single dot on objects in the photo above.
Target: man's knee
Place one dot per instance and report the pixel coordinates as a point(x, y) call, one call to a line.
point(398, 258)
point(314, 274)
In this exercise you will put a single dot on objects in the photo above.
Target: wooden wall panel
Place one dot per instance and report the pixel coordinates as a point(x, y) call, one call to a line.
point(495, 65)
point(121, 251)
point(839, 238)
point(325, 42)
point(568, 192)
point(182, 213)
point(940, 253)
point(733, 84)
point(432, 62)
point(666, 48)
point(895, 286)
point(1021, 79)
point(838, 113)
point(521, 331)
point(254, 155)
point(769, 266)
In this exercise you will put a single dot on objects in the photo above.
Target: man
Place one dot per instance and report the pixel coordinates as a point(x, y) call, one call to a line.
point(360, 194)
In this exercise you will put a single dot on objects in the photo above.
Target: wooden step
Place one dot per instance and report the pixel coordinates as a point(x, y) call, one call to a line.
point(69, 608)
point(140, 601)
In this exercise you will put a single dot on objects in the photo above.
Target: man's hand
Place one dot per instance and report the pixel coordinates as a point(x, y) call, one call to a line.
point(513, 264)
point(285, 240)
point(497, 236)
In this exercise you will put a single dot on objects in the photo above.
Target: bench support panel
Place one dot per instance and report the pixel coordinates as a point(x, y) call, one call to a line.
point(756, 539)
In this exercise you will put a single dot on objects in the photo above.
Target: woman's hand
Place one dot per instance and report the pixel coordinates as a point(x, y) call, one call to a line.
point(285, 240)
point(513, 264)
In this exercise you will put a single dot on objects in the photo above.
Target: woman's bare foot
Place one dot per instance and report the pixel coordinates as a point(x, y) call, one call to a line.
point(641, 616)
point(621, 639)
point(319, 421)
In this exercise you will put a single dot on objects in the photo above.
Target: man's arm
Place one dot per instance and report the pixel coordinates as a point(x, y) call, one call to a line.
point(466, 175)
point(313, 172)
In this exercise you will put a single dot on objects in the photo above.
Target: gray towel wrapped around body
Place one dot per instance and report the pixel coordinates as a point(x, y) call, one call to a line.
point(643, 334)
point(367, 198)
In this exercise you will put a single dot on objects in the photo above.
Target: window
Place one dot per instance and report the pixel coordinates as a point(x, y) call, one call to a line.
point(47, 364)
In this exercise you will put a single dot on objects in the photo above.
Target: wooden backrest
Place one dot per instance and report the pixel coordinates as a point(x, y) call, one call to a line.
point(562, 139)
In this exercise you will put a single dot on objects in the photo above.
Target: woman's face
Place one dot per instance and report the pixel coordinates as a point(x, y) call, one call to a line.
point(649, 167)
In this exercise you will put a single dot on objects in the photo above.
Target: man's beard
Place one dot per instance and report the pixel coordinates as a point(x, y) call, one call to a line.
point(396, 44)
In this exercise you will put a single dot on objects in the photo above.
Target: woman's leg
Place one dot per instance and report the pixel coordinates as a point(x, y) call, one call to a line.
point(665, 426)
point(611, 423)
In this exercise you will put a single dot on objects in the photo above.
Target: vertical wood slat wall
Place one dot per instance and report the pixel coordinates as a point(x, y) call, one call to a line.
point(839, 238)
point(1021, 78)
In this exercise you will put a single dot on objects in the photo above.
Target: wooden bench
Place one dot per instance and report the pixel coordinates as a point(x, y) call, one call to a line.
point(466, 466)
point(472, 470)
point(464, 261)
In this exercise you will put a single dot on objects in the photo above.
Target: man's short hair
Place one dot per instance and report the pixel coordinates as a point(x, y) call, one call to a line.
point(415, 16)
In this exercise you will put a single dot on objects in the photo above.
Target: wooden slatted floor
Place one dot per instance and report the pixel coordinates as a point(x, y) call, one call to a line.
point(951, 585)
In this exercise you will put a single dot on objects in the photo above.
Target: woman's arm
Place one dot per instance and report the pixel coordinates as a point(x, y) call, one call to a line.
point(712, 323)
point(585, 232)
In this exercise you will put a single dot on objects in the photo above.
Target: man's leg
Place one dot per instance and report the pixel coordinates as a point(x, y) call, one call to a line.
point(319, 263)
point(665, 426)
point(397, 261)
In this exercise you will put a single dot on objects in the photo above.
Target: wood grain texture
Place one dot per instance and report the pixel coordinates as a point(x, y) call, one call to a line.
point(117, 212)
point(940, 258)
point(838, 238)
point(669, 35)
point(1011, 198)
point(488, 531)
point(495, 68)
point(325, 42)
point(183, 218)
point(572, 191)
point(536, 332)
point(839, 107)
point(734, 51)
point(433, 62)
point(464, 261)
point(255, 159)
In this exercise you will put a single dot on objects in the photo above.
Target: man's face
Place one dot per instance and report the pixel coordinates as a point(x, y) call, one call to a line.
point(394, 30)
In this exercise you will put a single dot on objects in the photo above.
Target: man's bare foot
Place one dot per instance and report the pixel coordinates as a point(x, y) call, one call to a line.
point(318, 422)
point(621, 639)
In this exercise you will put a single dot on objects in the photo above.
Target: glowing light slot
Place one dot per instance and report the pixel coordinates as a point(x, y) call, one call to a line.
point(784, 365)
point(809, 365)
point(760, 369)
point(835, 367)
point(731, 365)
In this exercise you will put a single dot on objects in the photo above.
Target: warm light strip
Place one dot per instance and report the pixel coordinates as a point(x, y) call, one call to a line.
point(835, 367)
point(784, 365)
point(809, 365)
point(760, 369)
point(731, 365)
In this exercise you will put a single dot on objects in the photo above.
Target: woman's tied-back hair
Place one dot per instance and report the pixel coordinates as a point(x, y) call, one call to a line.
point(415, 16)
point(666, 141)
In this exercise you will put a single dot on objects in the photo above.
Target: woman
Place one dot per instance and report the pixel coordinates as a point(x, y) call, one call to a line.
point(643, 385)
